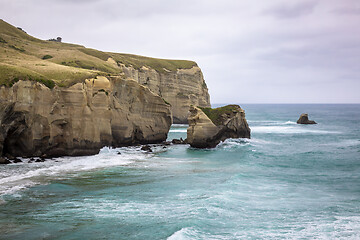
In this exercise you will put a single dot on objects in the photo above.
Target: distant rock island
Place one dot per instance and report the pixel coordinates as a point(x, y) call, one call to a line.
point(304, 119)
point(61, 99)
point(208, 127)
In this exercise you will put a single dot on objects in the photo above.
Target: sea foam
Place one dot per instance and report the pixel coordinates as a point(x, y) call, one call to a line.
point(30, 174)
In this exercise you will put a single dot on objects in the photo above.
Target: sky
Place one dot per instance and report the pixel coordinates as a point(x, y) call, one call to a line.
point(278, 51)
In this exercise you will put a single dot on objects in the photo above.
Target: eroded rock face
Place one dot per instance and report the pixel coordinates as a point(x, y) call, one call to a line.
point(81, 119)
point(204, 133)
point(181, 89)
point(304, 119)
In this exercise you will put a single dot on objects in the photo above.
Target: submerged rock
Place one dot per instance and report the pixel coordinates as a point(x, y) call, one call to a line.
point(178, 141)
point(17, 160)
point(146, 148)
point(208, 127)
point(304, 119)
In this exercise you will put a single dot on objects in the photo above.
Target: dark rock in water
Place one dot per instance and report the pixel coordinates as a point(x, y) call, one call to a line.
point(167, 143)
point(146, 148)
point(17, 160)
point(208, 127)
point(9, 157)
point(40, 160)
point(119, 153)
point(304, 119)
point(178, 141)
point(4, 161)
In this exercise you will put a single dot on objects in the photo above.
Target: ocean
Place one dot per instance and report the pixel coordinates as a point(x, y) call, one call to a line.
point(288, 181)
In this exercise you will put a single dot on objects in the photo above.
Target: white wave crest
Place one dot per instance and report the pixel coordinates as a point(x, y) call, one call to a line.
point(272, 122)
point(25, 175)
point(289, 130)
point(191, 233)
point(179, 125)
point(178, 130)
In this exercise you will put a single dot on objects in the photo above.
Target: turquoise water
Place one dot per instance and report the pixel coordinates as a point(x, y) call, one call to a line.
point(288, 182)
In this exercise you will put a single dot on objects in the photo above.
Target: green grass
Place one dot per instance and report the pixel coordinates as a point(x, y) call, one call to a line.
point(215, 113)
point(11, 74)
point(95, 53)
point(156, 63)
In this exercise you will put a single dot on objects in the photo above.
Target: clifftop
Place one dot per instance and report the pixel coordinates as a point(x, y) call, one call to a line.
point(217, 115)
point(56, 63)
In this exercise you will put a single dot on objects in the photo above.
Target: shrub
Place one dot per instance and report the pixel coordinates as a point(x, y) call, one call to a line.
point(47, 57)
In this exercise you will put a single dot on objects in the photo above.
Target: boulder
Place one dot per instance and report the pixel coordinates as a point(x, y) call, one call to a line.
point(4, 160)
point(304, 119)
point(208, 127)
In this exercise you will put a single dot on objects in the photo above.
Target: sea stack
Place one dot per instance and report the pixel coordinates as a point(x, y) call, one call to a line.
point(304, 119)
point(208, 127)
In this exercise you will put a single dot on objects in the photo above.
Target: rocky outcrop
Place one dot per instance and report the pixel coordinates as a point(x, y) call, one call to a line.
point(79, 120)
point(180, 88)
point(304, 119)
point(208, 130)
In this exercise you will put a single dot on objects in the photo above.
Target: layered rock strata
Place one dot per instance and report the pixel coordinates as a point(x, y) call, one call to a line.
point(304, 119)
point(79, 120)
point(226, 122)
point(180, 88)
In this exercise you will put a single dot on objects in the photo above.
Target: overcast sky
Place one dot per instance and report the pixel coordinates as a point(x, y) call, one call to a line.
point(278, 51)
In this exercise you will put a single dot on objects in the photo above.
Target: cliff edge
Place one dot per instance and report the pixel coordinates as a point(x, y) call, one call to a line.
point(180, 87)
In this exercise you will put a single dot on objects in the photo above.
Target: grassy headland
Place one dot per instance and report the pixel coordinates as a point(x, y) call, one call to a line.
point(23, 57)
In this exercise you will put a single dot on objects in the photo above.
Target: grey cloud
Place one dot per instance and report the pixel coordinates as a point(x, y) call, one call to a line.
point(347, 11)
point(291, 10)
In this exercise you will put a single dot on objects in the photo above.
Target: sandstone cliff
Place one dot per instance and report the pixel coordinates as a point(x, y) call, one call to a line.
point(181, 88)
point(208, 127)
point(179, 82)
point(80, 119)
